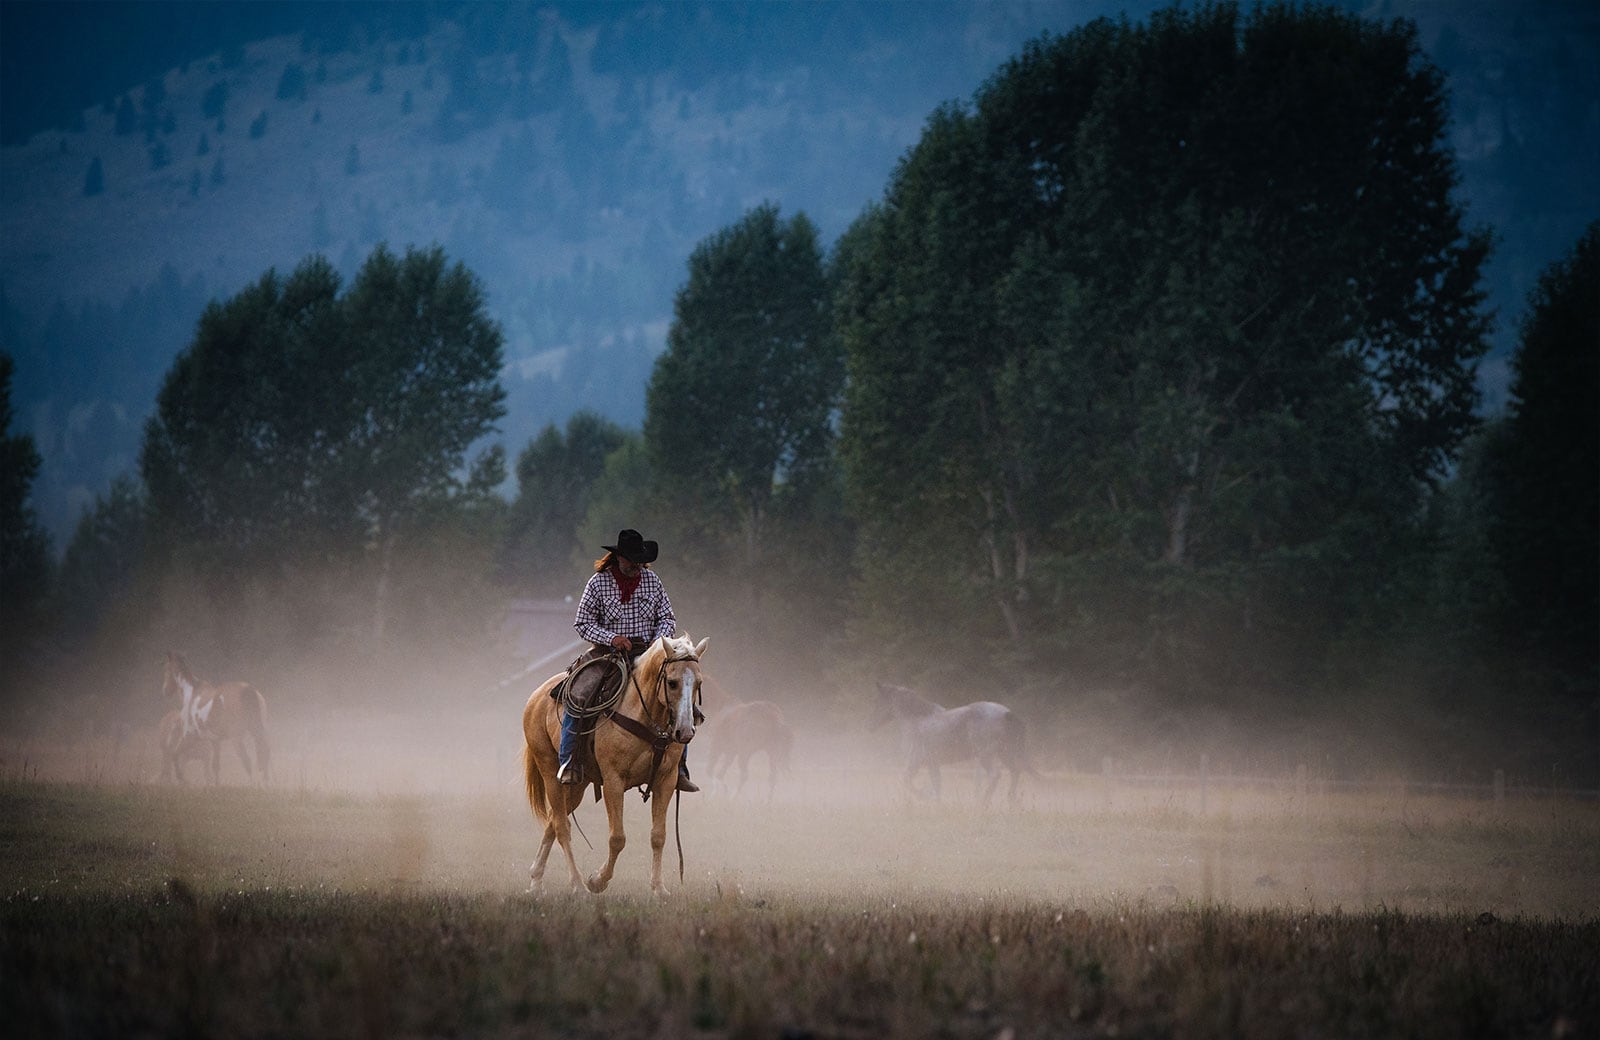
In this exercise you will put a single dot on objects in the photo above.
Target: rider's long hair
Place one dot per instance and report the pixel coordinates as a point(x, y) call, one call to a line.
point(608, 559)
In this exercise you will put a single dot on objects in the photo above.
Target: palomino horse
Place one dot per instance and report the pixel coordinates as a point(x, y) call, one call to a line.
point(935, 736)
point(636, 743)
point(745, 729)
point(177, 747)
point(218, 713)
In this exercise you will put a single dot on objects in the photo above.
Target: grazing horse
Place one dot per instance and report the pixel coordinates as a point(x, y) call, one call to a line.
point(745, 729)
point(176, 747)
point(637, 742)
point(218, 713)
point(933, 736)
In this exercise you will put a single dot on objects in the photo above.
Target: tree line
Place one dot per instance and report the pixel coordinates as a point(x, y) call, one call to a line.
point(1153, 365)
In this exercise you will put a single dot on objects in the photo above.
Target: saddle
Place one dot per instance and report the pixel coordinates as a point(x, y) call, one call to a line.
point(592, 683)
point(593, 678)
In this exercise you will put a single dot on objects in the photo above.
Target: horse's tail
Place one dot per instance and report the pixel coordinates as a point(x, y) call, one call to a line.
point(533, 780)
point(256, 722)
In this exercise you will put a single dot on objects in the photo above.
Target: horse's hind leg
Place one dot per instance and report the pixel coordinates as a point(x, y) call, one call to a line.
point(542, 858)
point(244, 757)
point(991, 773)
point(553, 833)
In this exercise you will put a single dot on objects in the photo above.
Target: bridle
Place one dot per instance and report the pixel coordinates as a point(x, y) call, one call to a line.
point(659, 737)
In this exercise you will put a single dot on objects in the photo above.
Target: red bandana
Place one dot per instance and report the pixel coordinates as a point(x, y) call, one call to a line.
point(626, 585)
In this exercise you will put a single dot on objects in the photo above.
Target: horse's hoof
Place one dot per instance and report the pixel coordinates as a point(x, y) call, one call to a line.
point(594, 884)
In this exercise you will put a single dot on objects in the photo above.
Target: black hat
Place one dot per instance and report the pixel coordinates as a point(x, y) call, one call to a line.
point(632, 546)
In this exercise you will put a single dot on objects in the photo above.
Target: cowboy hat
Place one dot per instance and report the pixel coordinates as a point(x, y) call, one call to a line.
point(632, 546)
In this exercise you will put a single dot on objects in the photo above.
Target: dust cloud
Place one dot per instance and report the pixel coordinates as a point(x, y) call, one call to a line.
point(1124, 804)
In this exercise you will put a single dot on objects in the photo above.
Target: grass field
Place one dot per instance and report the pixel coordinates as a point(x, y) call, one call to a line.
point(841, 909)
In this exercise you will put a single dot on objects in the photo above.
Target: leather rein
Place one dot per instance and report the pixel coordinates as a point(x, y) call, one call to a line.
point(658, 739)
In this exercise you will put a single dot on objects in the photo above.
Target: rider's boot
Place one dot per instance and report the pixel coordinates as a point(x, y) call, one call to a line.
point(684, 783)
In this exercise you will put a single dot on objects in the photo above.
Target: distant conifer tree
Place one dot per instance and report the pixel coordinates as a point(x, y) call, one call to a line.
point(292, 84)
point(127, 117)
point(215, 100)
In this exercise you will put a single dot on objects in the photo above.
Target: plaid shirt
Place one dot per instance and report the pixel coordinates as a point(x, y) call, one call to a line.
point(646, 615)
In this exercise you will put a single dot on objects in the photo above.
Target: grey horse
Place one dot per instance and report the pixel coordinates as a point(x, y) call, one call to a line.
point(933, 736)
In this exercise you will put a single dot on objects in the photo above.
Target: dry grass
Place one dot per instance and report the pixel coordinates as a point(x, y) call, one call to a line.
point(842, 909)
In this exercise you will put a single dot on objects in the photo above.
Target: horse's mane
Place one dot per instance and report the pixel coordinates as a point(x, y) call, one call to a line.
point(663, 650)
point(907, 701)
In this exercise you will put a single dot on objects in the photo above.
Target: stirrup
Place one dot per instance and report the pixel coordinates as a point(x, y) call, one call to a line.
point(569, 773)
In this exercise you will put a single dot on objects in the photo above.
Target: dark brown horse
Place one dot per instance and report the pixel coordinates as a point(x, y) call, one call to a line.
point(637, 743)
point(217, 714)
point(745, 730)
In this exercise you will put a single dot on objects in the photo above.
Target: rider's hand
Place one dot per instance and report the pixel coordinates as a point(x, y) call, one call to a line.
point(622, 643)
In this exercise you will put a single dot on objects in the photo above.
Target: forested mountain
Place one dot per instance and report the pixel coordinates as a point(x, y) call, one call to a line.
point(157, 156)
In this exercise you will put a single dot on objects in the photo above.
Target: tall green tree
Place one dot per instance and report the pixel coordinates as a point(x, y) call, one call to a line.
point(556, 476)
point(1159, 340)
point(103, 559)
point(24, 545)
point(738, 407)
point(303, 424)
point(243, 457)
point(1545, 483)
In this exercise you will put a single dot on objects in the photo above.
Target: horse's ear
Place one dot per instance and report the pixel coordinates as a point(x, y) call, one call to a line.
point(700, 647)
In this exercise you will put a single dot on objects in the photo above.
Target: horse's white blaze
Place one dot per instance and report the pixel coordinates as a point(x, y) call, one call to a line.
point(685, 729)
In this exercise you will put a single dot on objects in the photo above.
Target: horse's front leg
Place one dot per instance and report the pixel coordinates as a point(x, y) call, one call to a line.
point(214, 763)
point(613, 794)
point(666, 790)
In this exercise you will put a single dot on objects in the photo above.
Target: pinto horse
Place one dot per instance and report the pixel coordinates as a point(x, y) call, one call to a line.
point(933, 736)
point(748, 728)
point(176, 747)
point(637, 742)
point(217, 713)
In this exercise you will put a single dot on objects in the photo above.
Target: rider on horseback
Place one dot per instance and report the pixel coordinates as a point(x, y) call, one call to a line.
point(624, 609)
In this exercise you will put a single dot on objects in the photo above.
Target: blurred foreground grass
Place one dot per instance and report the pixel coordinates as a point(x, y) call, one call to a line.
point(145, 910)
